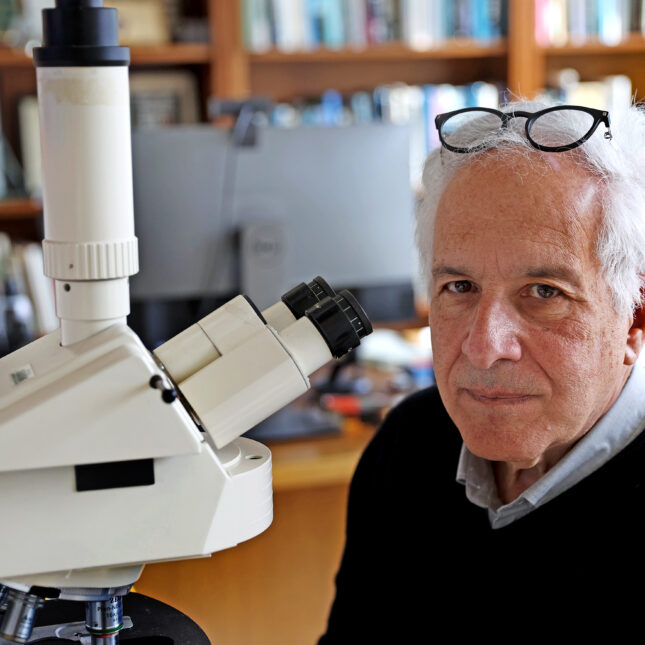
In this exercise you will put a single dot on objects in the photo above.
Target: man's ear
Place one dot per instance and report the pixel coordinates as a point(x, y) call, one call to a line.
point(636, 335)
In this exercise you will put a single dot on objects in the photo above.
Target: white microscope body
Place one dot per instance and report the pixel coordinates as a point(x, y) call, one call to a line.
point(110, 456)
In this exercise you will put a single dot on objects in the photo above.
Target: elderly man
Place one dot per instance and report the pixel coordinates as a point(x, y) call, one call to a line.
point(510, 499)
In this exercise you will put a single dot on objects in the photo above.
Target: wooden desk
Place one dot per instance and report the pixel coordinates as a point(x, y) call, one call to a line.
point(278, 587)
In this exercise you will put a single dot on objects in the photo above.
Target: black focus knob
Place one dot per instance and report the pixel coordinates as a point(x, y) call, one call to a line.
point(341, 321)
point(304, 296)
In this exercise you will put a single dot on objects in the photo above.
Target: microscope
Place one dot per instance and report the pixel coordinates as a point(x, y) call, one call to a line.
point(112, 457)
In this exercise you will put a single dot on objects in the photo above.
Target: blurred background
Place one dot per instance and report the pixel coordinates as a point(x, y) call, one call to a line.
point(274, 141)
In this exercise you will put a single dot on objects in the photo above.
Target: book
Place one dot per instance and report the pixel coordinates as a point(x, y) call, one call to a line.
point(376, 21)
point(482, 24)
point(612, 27)
point(256, 25)
point(612, 93)
point(355, 18)
point(333, 28)
point(290, 25)
point(439, 21)
point(541, 19)
point(578, 21)
point(462, 18)
point(415, 24)
point(425, 23)
point(289, 18)
point(163, 98)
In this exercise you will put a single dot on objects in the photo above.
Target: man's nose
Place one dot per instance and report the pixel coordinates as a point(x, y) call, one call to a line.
point(492, 334)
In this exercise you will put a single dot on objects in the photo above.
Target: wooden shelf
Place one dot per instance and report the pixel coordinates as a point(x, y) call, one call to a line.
point(171, 54)
point(14, 58)
point(452, 49)
point(635, 44)
point(288, 76)
point(20, 208)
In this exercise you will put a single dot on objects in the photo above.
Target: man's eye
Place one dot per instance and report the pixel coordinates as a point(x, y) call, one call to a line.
point(544, 291)
point(459, 286)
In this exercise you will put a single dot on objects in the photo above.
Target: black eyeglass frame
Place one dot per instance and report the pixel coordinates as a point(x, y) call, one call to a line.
point(600, 116)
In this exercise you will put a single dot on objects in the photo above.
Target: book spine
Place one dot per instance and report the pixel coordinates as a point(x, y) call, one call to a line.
point(331, 12)
point(355, 23)
point(377, 21)
point(256, 25)
point(577, 20)
point(610, 22)
point(415, 24)
point(481, 21)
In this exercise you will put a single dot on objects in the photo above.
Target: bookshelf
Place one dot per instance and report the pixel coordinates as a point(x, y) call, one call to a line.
point(596, 60)
point(225, 68)
point(284, 76)
point(20, 208)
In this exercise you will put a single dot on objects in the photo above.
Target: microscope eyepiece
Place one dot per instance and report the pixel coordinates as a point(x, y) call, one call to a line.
point(321, 288)
point(304, 296)
point(341, 321)
point(80, 33)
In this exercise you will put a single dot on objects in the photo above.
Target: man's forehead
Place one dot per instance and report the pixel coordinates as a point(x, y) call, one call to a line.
point(530, 214)
point(545, 189)
point(511, 174)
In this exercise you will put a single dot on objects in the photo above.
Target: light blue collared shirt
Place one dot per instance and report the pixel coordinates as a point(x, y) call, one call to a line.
point(622, 423)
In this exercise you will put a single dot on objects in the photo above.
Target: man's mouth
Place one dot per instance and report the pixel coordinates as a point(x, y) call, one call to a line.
point(498, 397)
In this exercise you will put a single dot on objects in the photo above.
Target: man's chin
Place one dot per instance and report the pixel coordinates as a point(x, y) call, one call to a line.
point(519, 461)
point(501, 446)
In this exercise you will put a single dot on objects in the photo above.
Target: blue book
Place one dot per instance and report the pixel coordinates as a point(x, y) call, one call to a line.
point(610, 24)
point(313, 16)
point(462, 17)
point(481, 20)
point(332, 107)
point(470, 95)
point(361, 106)
point(333, 33)
point(448, 13)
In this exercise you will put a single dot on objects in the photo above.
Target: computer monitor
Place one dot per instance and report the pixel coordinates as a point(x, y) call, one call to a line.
point(214, 220)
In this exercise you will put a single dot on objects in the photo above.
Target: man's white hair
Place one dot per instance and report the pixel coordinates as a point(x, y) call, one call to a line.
point(618, 164)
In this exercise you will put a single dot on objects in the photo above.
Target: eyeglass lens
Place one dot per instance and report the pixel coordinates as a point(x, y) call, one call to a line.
point(470, 129)
point(549, 129)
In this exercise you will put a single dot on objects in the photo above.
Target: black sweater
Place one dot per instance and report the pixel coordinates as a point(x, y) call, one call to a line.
point(421, 560)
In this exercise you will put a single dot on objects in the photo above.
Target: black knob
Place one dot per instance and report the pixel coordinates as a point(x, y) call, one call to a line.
point(168, 394)
point(341, 321)
point(304, 296)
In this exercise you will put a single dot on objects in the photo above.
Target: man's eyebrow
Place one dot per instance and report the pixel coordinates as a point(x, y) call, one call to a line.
point(444, 270)
point(554, 272)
